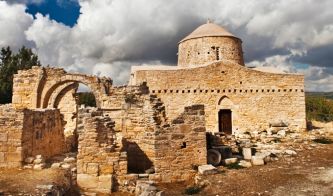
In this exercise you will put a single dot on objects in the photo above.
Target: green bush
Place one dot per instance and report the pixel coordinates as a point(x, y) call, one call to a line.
point(319, 108)
point(323, 140)
point(86, 98)
point(192, 190)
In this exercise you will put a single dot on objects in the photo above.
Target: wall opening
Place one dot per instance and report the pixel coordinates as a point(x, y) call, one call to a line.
point(225, 121)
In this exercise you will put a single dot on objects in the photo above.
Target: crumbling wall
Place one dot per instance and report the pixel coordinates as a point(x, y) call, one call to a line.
point(256, 98)
point(25, 133)
point(101, 158)
point(181, 146)
point(43, 133)
point(25, 87)
point(67, 104)
point(11, 126)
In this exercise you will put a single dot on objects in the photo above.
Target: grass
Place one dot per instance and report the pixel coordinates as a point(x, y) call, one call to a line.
point(192, 190)
point(234, 166)
point(323, 140)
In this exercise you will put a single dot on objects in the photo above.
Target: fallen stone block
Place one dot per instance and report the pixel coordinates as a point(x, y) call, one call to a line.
point(39, 166)
point(29, 160)
point(247, 153)
point(55, 165)
point(230, 161)
point(245, 164)
point(257, 160)
point(290, 152)
point(207, 169)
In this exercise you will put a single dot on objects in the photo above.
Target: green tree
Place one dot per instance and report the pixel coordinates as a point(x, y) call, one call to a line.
point(86, 98)
point(10, 63)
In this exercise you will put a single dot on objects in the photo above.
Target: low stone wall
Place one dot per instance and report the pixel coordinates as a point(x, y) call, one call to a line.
point(25, 133)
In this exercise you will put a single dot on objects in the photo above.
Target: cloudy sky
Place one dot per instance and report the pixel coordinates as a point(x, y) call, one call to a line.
point(106, 37)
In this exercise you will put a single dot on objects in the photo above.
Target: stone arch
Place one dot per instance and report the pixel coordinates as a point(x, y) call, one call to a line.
point(59, 94)
point(225, 101)
point(94, 83)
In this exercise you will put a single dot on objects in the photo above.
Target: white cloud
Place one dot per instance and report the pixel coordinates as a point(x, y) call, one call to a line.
point(112, 35)
point(13, 22)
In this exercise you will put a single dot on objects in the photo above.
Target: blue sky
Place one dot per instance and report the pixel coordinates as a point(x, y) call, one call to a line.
point(64, 11)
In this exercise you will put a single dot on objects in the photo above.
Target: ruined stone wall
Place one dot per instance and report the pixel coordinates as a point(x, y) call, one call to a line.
point(255, 98)
point(133, 120)
point(43, 133)
point(203, 50)
point(25, 133)
point(181, 146)
point(25, 87)
point(11, 126)
point(68, 108)
point(37, 87)
point(100, 158)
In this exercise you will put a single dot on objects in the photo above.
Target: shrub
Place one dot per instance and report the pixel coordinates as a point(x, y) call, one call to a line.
point(234, 166)
point(192, 190)
point(319, 108)
point(323, 140)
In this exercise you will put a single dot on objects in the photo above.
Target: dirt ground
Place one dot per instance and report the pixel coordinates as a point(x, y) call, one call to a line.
point(19, 181)
point(310, 172)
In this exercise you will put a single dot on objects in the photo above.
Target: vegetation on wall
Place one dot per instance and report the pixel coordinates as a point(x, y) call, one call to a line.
point(10, 63)
point(86, 98)
point(319, 108)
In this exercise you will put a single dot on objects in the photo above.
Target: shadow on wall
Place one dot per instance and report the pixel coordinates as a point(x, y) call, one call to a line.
point(138, 161)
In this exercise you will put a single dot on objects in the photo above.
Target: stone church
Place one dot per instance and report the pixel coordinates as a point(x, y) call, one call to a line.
point(158, 122)
point(211, 71)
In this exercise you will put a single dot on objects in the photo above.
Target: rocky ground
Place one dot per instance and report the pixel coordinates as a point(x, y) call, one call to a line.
point(308, 171)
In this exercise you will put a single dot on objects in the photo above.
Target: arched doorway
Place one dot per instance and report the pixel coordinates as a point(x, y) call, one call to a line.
point(225, 109)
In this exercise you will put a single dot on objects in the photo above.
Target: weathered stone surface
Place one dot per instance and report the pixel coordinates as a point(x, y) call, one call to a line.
point(39, 166)
point(257, 160)
point(207, 169)
point(230, 161)
point(247, 153)
point(29, 160)
point(291, 152)
point(245, 164)
point(87, 181)
point(3, 137)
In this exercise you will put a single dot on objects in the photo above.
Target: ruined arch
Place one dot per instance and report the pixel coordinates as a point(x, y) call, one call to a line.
point(94, 83)
point(59, 94)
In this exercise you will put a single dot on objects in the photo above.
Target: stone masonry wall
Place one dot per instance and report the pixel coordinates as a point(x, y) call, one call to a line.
point(181, 146)
point(43, 133)
point(202, 50)
point(100, 158)
point(255, 98)
point(25, 87)
point(25, 133)
point(11, 126)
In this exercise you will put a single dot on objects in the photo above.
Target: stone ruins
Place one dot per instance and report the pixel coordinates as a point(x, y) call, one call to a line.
point(157, 123)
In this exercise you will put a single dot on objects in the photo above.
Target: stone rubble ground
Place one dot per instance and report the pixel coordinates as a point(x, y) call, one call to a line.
point(251, 149)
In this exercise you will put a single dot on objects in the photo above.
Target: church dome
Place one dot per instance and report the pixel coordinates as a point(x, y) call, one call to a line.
point(208, 43)
point(208, 30)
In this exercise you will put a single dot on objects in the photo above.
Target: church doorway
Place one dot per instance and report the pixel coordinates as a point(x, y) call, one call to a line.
point(225, 121)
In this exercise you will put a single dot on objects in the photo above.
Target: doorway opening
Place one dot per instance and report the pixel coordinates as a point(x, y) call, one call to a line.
point(225, 121)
